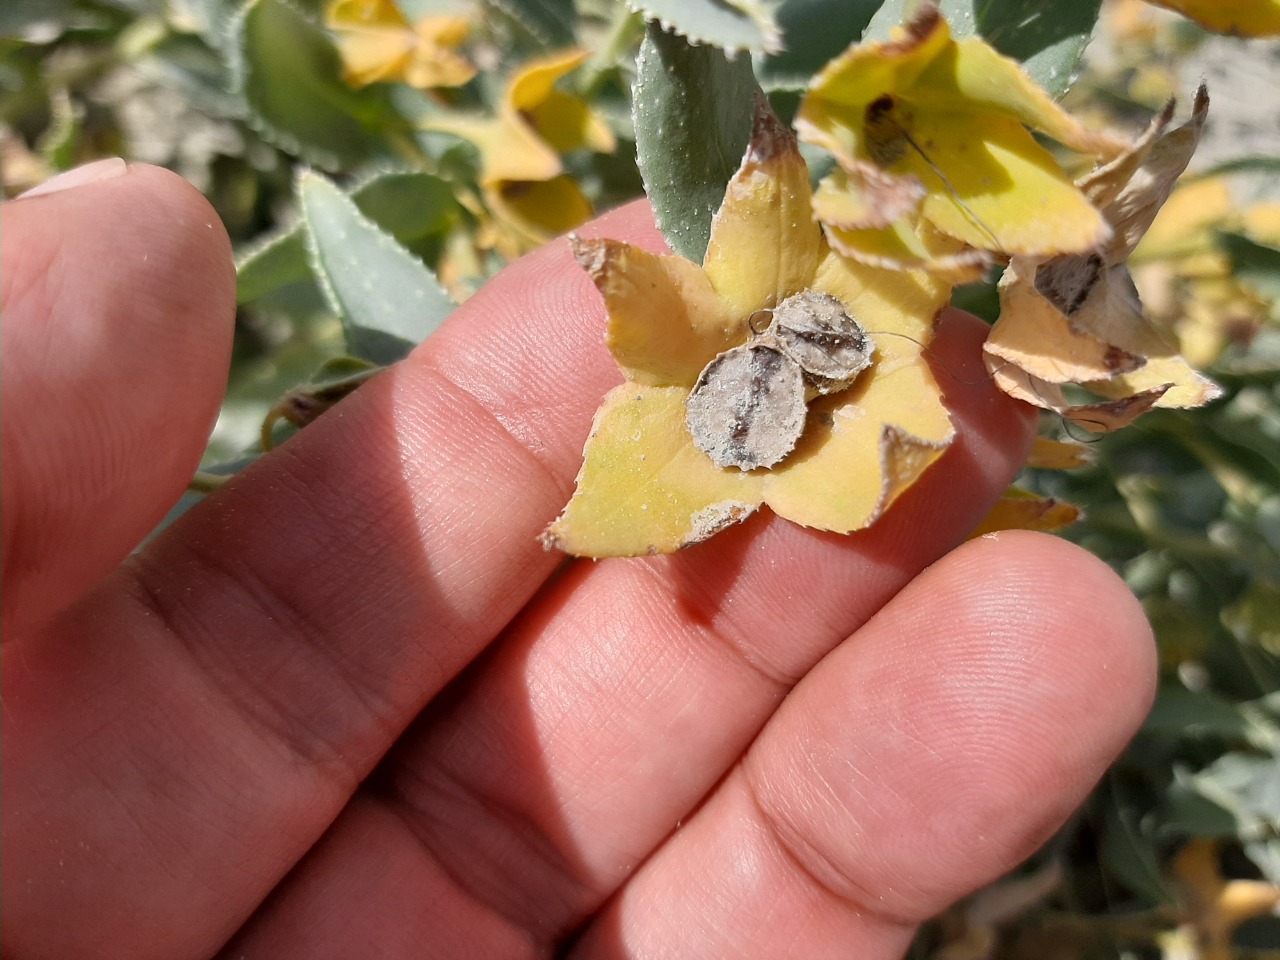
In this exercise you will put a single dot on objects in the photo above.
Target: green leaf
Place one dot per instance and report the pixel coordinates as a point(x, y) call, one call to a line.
point(211, 19)
point(550, 22)
point(1253, 263)
point(1255, 617)
point(1178, 710)
point(387, 298)
point(290, 76)
point(728, 24)
point(410, 206)
point(692, 108)
point(1128, 852)
point(1236, 795)
point(813, 32)
point(1048, 39)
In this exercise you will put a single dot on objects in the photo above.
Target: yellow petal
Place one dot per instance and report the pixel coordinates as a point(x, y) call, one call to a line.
point(1099, 417)
point(542, 209)
point(434, 62)
point(534, 81)
point(665, 321)
point(444, 30)
point(1240, 18)
point(1047, 454)
point(1102, 184)
point(644, 487)
point(1179, 385)
point(568, 124)
point(373, 37)
point(1185, 224)
point(833, 111)
point(862, 448)
point(1019, 509)
point(1130, 203)
point(369, 14)
point(764, 240)
point(898, 309)
point(903, 246)
point(1262, 223)
point(971, 77)
point(509, 148)
point(992, 186)
point(866, 196)
point(1033, 334)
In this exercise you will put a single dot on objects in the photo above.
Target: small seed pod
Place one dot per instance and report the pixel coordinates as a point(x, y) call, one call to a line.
point(816, 331)
point(747, 409)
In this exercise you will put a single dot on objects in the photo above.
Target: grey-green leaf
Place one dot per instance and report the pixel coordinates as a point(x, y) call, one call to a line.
point(387, 298)
point(692, 108)
point(289, 74)
point(550, 22)
point(813, 32)
point(411, 206)
point(1048, 39)
point(728, 24)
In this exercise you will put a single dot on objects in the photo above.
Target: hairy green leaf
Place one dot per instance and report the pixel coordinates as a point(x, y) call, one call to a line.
point(813, 32)
point(550, 22)
point(387, 298)
point(728, 24)
point(1048, 39)
point(410, 206)
point(290, 76)
point(692, 108)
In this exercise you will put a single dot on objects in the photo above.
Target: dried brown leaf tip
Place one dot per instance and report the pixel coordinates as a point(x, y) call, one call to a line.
point(1077, 319)
point(775, 373)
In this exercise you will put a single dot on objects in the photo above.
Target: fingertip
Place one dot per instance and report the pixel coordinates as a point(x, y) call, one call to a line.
point(1067, 593)
point(119, 303)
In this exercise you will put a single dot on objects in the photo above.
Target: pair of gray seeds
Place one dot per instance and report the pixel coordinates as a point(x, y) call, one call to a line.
point(748, 408)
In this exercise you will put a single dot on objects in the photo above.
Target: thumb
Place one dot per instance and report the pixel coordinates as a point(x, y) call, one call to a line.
point(118, 295)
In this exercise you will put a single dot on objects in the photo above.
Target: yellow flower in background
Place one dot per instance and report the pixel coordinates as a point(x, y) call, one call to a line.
point(647, 485)
point(1077, 319)
point(1186, 277)
point(378, 44)
point(935, 157)
point(1240, 18)
point(521, 173)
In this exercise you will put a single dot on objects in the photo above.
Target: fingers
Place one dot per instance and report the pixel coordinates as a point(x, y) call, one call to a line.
point(618, 700)
point(118, 299)
point(257, 659)
point(930, 753)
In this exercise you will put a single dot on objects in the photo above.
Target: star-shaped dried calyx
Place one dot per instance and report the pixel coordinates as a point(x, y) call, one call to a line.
point(749, 404)
point(1078, 319)
point(775, 373)
point(937, 164)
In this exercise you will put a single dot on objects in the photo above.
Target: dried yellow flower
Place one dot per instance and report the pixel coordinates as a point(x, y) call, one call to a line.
point(825, 352)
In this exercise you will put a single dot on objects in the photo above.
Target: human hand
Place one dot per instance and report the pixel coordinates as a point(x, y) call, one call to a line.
point(349, 707)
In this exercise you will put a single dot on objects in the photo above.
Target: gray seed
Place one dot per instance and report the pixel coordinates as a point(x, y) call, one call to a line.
point(1067, 281)
point(815, 331)
point(747, 409)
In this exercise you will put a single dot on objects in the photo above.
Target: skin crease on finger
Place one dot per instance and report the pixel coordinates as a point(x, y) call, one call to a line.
point(251, 680)
point(881, 791)
point(119, 301)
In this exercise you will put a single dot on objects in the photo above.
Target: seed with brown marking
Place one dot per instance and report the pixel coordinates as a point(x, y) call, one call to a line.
point(816, 331)
point(747, 409)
